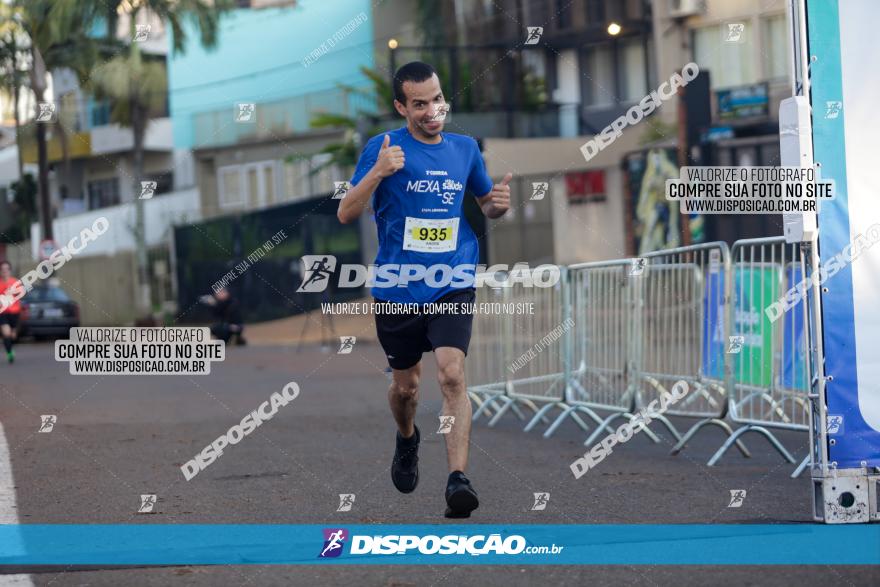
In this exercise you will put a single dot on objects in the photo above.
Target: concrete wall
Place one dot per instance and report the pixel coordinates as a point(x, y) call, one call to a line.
point(103, 286)
point(591, 231)
point(578, 232)
point(161, 214)
point(113, 138)
point(19, 255)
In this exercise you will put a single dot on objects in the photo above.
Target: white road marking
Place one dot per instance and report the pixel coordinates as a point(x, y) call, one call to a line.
point(9, 511)
point(16, 580)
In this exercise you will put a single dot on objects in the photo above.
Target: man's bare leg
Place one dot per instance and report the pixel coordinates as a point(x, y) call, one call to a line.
point(450, 373)
point(460, 496)
point(403, 396)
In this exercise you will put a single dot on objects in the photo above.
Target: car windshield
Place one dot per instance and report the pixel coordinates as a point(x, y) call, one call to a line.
point(47, 294)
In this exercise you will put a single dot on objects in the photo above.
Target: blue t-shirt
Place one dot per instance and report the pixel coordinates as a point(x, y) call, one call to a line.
point(419, 214)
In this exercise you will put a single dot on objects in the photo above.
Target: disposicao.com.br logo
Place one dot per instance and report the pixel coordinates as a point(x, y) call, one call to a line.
point(318, 269)
point(476, 545)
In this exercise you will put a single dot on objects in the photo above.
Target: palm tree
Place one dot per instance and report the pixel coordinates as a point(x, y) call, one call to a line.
point(12, 77)
point(137, 86)
point(174, 13)
point(136, 89)
point(55, 35)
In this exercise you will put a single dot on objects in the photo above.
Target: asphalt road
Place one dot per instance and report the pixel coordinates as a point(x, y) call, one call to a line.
point(119, 437)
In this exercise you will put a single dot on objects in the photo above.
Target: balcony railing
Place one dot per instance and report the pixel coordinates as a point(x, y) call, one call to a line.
point(274, 120)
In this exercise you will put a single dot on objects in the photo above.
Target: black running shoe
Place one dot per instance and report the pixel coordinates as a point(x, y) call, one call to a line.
point(405, 466)
point(460, 496)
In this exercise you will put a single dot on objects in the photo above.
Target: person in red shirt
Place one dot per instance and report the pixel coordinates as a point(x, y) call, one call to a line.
point(9, 286)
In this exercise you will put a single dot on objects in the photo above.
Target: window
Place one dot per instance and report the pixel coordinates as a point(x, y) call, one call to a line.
point(164, 182)
point(596, 13)
point(230, 189)
point(634, 9)
point(322, 181)
point(770, 154)
point(729, 63)
point(599, 77)
point(562, 10)
point(70, 113)
point(536, 11)
point(295, 176)
point(100, 113)
point(301, 179)
point(776, 55)
point(260, 181)
point(103, 193)
point(585, 186)
point(269, 181)
point(251, 184)
point(46, 293)
point(634, 86)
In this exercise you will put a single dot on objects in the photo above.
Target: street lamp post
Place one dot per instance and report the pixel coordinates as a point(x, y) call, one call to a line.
point(392, 59)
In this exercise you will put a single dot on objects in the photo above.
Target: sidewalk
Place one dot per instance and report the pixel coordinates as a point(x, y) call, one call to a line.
point(312, 328)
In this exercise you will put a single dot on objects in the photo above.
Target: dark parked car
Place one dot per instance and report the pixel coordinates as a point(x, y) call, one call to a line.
point(47, 310)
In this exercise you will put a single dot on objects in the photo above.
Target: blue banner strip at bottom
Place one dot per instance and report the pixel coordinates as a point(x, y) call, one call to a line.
point(218, 544)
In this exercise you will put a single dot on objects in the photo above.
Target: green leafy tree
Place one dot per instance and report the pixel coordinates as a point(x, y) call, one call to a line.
point(53, 35)
point(24, 208)
point(13, 76)
point(136, 87)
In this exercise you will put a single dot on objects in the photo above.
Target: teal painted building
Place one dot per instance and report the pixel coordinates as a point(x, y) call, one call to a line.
point(286, 60)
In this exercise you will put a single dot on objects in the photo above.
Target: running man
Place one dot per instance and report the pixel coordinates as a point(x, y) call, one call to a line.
point(347, 343)
point(334, 542)
point(47, 423)
point(319, 272)
point(417, 176)
point(9, 312)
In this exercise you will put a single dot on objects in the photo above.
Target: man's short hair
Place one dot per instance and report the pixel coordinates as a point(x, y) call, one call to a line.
point(414, 71)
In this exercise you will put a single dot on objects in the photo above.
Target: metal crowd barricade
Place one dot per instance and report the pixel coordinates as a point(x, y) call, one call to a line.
point(684, 313)
point(526, 369)
point(771, 356)
point(634, 327)
point(599, 342)
point(535, 350)
point(485, 376)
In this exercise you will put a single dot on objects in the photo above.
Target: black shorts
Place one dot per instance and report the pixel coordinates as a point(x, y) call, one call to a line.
point(405, 336)
point(10, 319)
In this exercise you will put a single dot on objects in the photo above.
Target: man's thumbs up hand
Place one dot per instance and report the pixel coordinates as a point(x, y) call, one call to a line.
point(499, 197)
point(390, 159)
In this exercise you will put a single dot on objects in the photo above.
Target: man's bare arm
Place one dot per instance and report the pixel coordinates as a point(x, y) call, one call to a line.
point(389, 161)
point(357, 198)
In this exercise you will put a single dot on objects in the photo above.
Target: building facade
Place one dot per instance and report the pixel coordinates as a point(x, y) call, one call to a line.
point(243, 113)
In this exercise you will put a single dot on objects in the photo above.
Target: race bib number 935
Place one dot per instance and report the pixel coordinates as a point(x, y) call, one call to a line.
point(430, 235)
